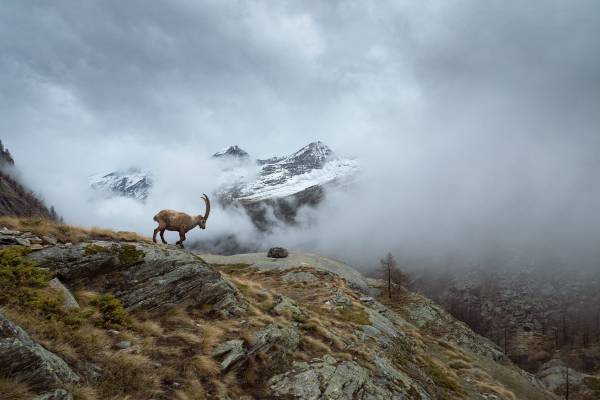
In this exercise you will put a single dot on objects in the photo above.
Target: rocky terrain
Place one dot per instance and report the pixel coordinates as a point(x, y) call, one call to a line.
point(121, 318)
point(16, 199)
point(543, 318)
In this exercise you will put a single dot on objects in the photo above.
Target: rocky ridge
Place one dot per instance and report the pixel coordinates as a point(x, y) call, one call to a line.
point(180, 325)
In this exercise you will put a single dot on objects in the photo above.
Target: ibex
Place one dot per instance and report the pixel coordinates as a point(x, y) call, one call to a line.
point(169, 220)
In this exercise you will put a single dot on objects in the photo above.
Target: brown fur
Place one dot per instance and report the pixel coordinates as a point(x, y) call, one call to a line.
point(170, 220)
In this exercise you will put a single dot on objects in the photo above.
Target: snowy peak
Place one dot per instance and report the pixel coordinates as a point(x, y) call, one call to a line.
point(315, 153)
point(232, 152)
point(133, 183)
point(313, 165)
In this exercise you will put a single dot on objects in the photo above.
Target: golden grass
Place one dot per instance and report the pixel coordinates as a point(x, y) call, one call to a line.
point(315, 345)
point(130, 374)
point(205, 365)
point(459, 364)
point(193, 391)
point(11, 389)
point(501, 392)
point(80, 392)
point(67, 233)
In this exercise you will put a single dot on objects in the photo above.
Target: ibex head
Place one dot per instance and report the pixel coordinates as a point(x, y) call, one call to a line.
point(202, 219)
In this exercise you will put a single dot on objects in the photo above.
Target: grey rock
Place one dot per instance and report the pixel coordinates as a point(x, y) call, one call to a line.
point(22, 241)
point(49, 240)
point(553, 375)
point(124, 344)
point(10, 232)
point(302, 277)
point(276, 341)
point(69, 300)
point(340, 299)
point(143, 275)
point(232, 350)
point(286, 304)
point(35, 240)
point(29, 362)
point(58, 394)
point(327, 378)
point(36, 246)
point(277, 252)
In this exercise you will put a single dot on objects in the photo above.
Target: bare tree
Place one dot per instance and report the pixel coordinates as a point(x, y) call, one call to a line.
point(388, 263)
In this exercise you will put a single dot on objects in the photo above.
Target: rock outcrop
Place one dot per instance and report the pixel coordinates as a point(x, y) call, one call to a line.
point(29, 362)
point(143, 276)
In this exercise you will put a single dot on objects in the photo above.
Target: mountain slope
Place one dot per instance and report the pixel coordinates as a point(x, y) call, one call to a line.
point(179, 327)
point(15, 199)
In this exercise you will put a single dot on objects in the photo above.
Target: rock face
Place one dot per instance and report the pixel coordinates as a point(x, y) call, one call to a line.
point(143, 276)
point(21, 357)
point(232, 152)
point(69, 301)
point(277, 252)
point(327, 378)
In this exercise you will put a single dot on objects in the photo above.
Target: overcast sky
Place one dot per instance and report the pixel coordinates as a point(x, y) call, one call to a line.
point(472, 120)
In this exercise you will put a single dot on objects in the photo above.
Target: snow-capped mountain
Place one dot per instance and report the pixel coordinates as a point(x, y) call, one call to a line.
point(286, 183)
point(232, 152)
point(312, 165)
point(132, 183)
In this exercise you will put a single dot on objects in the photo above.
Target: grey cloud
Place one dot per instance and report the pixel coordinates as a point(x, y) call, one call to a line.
point(476, 123)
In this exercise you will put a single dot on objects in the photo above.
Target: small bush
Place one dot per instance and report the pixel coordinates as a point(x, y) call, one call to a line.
point(112, 310)
point(129, 254)
point(25, 286)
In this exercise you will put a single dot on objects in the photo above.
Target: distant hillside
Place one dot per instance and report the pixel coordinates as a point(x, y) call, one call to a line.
point(15, 199)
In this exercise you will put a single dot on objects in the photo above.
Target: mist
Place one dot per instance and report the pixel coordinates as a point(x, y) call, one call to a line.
point(475, 124)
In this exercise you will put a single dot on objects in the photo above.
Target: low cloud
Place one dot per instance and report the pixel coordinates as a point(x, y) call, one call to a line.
point(475, 123)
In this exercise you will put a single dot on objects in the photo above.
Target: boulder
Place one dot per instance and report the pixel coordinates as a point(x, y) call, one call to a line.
point(275, 341)
point(143, 275)
point(553, 375)
point(49, 240)
point(69, 300)
point(287, 305)
point(27, 361)
point(277, 252)
point(231, 351)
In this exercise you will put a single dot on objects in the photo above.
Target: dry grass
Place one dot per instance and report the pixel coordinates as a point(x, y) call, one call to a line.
point(11, 389)
point(501, 392)
point(193, 391)
point(67, 233)
point(205, 365)
point(83, 392)
point(129, 374)
point(315, 345)
point(211, 336)
point(459, 364)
